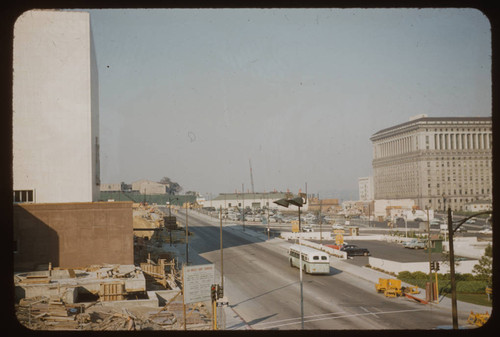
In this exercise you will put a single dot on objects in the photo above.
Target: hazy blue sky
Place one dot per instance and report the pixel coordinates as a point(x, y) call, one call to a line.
point(194, 94)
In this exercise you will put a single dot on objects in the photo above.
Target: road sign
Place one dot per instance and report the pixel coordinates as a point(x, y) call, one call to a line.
point(197, 282)
point(339, 239)
point(223, 302)
point(170, 222)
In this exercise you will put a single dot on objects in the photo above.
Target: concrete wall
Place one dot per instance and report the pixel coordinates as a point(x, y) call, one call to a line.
point(396, 267)
point(72, 235)
point(467, 247)
point(151, 187)
point(55, 107)
point(111, 187)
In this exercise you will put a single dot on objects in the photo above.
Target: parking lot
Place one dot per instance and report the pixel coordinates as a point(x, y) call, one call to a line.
point(388, 251)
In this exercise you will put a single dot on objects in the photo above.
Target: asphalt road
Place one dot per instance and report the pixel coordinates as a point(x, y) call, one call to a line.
point(265, 291)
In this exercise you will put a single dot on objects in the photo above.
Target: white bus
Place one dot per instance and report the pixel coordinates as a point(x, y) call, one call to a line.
point(313, 261)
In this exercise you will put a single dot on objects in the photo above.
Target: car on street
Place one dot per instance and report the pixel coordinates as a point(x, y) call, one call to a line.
point(353, 250)
point(471, 221)
point(486, 230)
point(414, 244)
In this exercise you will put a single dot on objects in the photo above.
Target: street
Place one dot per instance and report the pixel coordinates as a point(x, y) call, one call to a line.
point(264, 290)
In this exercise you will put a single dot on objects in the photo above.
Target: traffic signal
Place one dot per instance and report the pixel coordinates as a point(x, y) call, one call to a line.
point(436, 267)
point(220, 292)
point(213, 292)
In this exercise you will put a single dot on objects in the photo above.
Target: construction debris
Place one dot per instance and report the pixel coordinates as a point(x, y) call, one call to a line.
point(53, 314)
point(108, 297)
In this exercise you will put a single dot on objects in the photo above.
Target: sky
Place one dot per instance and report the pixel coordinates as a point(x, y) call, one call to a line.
point(197, 95)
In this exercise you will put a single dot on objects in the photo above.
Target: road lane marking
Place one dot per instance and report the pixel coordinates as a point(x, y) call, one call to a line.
point(368, 311)
point(298, 320)
point(294, 319)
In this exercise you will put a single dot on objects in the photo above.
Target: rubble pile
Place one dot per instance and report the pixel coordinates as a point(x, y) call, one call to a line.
point(44, 313)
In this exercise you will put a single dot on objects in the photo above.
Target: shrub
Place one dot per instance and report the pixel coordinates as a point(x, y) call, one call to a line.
point(404, 275)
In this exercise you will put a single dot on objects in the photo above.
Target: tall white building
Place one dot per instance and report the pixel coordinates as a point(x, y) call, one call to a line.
point(434, 160)
point(55, 108)
point(365, 185)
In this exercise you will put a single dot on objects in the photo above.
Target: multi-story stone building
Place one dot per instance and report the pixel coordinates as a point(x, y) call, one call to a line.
point(434, 160)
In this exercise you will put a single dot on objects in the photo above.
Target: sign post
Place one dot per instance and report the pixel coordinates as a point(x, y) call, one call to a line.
point(196, 283)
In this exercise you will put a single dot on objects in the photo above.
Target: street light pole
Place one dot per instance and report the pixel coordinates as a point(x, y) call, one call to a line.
point(451, 231)
point(301, 287)
point(297, 202)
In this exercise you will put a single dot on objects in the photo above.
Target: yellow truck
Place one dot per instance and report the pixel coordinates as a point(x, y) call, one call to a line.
point(390, 287)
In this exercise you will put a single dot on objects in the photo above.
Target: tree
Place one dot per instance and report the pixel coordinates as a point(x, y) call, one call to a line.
point(172, 187)
point(484, 269)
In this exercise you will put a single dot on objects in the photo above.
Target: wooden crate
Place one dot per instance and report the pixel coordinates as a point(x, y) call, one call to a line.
point(112, 291)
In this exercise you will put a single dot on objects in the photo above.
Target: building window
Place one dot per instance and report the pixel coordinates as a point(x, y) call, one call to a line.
point(23, 196)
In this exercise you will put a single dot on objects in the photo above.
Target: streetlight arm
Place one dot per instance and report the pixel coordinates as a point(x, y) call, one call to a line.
point(461, 222)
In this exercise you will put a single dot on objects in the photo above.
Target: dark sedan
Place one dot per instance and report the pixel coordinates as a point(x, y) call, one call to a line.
point(353, 250)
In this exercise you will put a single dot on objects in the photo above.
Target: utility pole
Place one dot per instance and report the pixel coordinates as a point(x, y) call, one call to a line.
point(221, 262)
point(452, 273)
point(251, 175)
point(429, 246)
point(243, 207)
point(187, 236)
point(320, 223)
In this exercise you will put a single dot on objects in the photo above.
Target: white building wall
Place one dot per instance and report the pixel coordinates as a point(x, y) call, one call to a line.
point(365, 186)
point(113, 187)
point(240, 202)
point(55, 124)
point(151, 187)
point(381, 205)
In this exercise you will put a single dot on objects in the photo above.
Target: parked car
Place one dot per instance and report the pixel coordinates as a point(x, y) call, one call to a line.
point(337, 226)
point(353, 250)
point(415, 244)
point(435, 222)
point(307, 229)
point(471, 221)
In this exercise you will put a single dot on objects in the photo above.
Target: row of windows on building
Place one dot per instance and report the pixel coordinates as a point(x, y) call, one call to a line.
point(460, 141)
point(24, 196)
point(442, 141)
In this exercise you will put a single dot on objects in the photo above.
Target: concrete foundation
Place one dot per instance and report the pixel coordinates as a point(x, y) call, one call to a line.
point(70, 284)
